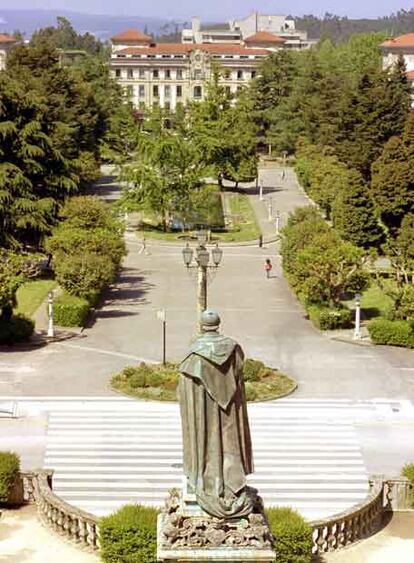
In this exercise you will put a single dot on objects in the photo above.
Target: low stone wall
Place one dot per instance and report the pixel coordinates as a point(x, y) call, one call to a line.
point(364, 519)
point(74, 524)
point(336, 532)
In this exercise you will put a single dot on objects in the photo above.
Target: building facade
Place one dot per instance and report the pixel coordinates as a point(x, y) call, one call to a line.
point(402, 46)
point(236, 31)
point(6, 43)
point(170, 73)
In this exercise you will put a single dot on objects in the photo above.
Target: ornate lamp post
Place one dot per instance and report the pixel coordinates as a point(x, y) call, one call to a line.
point(202, 259)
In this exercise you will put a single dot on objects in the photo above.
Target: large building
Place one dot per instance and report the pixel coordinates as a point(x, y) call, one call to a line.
point(402, 46)
point(236, 31)
point(6, 43)
point(172, 73)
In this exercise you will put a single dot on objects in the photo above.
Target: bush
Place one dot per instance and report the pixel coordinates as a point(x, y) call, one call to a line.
point(69, 310)
point(9, 468)
point(292, 535)
point(395, 333)
point(129, 535)
point(89, 212)
point(251, 391)
point(408, 471)
point(252, 370)
point(18, 328)
point(326, 318)
point(84, 274)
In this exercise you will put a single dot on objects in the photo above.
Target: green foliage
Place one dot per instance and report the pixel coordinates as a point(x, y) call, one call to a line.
point(16, 328)
point(9, 468)
point(325, 318)
point(393, 333)
point(89, 212)
point(129, 535)
point(318, 263)
point(251, 391)
point(292, 535)
point(85, 273)
point(408, 471)
point(392, 185)
point(32, 294)
point(252, 370)
point(64, 36)
point(69, 310)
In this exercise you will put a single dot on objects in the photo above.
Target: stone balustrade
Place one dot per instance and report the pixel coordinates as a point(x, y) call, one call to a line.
point(74, 524)
point(335, 532)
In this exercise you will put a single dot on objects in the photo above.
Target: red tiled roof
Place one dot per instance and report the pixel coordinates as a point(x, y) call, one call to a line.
point(131, 35)
point(182, 49)
point(400, 42)
point(264, 37)
point(410, 75)
point(6, 38)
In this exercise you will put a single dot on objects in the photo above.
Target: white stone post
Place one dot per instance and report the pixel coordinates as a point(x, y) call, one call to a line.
point(261, 190)
point(50, 327)
point(270, 209)
point(277, 221)
point(357, 331)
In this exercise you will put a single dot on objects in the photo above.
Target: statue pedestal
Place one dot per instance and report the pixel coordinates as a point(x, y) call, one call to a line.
point(186, 534)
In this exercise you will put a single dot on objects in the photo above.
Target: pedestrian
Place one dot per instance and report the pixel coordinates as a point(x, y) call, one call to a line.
point(283, 175)
point(260, 241)
point(268, 267)
point(143, 248)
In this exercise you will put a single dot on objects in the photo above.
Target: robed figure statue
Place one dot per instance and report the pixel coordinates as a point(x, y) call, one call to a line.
point(216, 435)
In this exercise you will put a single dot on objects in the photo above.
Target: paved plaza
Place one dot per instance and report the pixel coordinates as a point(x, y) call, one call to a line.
point(352, 414)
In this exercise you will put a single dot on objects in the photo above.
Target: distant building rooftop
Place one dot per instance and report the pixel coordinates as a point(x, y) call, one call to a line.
point(264, 37)
point(6, 38)
point(131, 36)
point(401, 42)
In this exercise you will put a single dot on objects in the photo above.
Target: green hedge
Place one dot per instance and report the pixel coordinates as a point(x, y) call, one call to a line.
point(325, 318)
point(9, 468)
point(129, 535)
point(395, 333)
point(16, 329)
point(292, 535)
point(69, 310)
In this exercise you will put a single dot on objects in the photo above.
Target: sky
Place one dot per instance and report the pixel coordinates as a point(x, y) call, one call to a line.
point(213, 9)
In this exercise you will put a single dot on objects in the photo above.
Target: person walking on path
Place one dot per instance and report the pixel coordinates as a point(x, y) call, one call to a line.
point(268, 267)
point(143, 248)
point(260, 241)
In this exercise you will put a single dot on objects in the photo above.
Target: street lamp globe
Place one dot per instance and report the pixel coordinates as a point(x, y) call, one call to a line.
point(203, 257)
point(187, 255)
point(217, 254)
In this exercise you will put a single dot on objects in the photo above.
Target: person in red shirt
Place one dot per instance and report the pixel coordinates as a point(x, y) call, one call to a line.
point(268, 267)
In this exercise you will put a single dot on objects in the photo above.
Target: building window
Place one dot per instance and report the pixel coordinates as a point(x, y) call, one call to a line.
point(118, 72)
point(141, 91)
point(155, 91)
point(167, 105)
point(197, 92)
point(179, 74)
point(167, 74)
point(239, 75)
point(130, 91)
point(253, 74)
point(130, 73)
point(155, 74)
point(141, 73)
point(228, 90)
point(227, 74)
point(197, 74)
point(167, 91)
point(179, 91)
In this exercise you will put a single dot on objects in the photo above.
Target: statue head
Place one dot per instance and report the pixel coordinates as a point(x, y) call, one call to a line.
point(210, 320)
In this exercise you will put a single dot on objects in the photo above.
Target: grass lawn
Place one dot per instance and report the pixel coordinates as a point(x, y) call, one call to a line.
point(32, 294)
point(374, 302)
point(210, 212)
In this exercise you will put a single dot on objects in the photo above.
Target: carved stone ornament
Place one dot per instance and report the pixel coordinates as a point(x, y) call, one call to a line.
point(184, 531)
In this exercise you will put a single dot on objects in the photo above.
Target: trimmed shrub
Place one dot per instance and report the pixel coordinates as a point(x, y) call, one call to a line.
point(18, 328)
point(69, 310)
point(9, 468)
point(84, 274)
point(395, 333)
point(251, 391)
point(326, 318)
point(408, 471)
point(292, 535)
point(129, 535)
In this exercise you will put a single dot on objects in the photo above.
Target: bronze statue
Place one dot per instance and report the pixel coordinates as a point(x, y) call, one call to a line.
point(216, 434)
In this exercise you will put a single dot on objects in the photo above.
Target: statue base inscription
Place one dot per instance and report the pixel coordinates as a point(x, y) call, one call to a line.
point(187, 534)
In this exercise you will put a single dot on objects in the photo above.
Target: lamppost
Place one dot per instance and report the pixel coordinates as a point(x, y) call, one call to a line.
point(357, 331)
point(202, 259)
point(50, 327)
point(270, 209)
point(277, 221)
